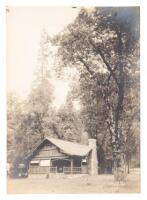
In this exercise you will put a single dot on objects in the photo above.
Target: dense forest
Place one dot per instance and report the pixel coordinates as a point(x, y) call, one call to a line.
point(102, 45)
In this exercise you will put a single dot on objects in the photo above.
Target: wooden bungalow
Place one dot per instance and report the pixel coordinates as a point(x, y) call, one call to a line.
point(60, 156)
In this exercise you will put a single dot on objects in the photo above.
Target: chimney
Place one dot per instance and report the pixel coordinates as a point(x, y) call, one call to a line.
point(93, 162)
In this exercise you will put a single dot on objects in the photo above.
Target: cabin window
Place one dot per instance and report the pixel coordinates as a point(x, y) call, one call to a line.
point(34, 162)
point(84, 161)
point(45, 163)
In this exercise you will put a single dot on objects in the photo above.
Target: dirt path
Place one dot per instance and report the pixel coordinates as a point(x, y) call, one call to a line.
point(75, 185)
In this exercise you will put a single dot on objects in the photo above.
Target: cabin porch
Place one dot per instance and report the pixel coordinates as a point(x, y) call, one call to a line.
point(72, 165)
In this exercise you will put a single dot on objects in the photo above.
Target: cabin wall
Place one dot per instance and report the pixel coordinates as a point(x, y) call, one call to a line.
point(48, 151)
point(42, 161)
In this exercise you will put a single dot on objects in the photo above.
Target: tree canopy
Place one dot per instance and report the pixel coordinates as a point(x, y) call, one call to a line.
point(103, 43)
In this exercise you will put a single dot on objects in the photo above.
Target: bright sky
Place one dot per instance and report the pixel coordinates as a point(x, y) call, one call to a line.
point(24, 29)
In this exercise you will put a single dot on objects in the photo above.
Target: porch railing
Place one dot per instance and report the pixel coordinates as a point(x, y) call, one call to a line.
point(46, 170)
point(42, 169)
point(74, 170)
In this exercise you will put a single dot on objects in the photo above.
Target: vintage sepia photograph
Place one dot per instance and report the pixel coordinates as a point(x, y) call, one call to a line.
point(73, 99)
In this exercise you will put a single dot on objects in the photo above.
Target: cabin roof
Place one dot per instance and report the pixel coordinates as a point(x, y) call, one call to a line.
point(70, 148)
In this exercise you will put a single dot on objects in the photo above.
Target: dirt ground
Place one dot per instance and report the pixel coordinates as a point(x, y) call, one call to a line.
point(75, 185)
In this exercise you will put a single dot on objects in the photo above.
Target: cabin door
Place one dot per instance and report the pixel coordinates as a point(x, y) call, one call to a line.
point(60, 164)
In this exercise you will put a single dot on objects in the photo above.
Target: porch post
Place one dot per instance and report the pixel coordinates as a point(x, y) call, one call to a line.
point(71, 166)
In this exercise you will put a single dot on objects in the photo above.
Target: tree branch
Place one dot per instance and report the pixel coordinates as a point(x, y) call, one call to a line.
point(99, 51)
point(87, 67)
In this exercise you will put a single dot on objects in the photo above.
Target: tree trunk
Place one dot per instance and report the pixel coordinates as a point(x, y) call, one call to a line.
point(128, 166)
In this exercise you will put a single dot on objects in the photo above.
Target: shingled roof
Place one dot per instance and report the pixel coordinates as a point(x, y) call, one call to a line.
point(70, 148)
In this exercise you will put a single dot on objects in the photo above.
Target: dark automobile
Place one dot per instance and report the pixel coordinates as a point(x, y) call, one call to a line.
point(21, 171)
